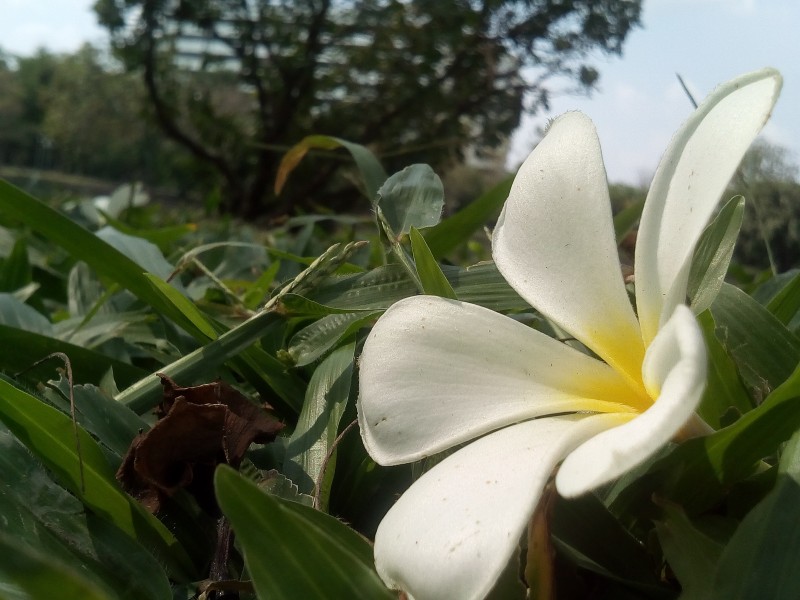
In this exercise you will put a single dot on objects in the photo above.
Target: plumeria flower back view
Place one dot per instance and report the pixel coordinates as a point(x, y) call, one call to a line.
point(438, 373)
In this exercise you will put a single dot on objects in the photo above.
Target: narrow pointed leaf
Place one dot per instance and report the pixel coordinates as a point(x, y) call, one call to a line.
point(713, 255)
point(764, 350)
point(430, 273)
point(691, 554)
point(453, 231)
point(318, 423)
point(786, 303)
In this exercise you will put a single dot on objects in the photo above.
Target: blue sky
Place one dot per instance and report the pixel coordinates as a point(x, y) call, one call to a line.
point(639, 103)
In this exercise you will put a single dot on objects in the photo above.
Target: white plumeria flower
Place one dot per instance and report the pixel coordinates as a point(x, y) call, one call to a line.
point(436, 373)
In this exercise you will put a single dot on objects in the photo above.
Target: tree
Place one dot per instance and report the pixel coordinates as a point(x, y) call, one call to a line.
point(92, 133)
point(237, 82)
point(770, 234)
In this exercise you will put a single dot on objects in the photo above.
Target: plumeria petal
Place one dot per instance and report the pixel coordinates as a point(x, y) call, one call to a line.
point(554, 243)
point(675, 373)
point(435, 373)
point(687, 186)
point(452, 533)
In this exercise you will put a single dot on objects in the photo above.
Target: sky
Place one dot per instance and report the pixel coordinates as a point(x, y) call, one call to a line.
point(639, 102)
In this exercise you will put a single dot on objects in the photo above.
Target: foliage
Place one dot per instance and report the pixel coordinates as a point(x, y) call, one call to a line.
point(237, 83)
point(768, 178)
point(282, 319)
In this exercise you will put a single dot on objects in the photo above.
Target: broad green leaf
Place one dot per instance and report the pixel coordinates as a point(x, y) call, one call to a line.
point(20, 349)
point(786, 303)
point(761, 559)
point(293, 551)
point(455, 230)
point(143, 253)
point(26, 573)
point(585, 530)
point(698, 472)
point(763, 349)
point(724, 388)
point(318, 424)
point(713, 255)
point(46, 517)
point(430, 273)
point(370, 169)
point(691, 554)
point(317, 339)
point(17, 314)
point(414, 197)
point(50, 435)
point(114, 424)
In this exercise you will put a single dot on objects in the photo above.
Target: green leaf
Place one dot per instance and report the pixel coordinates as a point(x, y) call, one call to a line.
point(318, 338)
point(380, 288)
point(146, 393)
point(55, 523)
point(430, 273)
point(786, 303)
point(143, 253)
point(318, 424)
point(585, 530)
point(698, 472)
point(414, 197)
point(163, 237)
point(761, 559)
point(691, 554)
point(625, 220)
point(713, 255)
point(455, 230)
point(724, 389)
point(372, 173)
point(17, 314)
point(15, 270)
point(20, 349)
point(763, 349)
point(27, 573)
point(295, 305)
point(293, 551)
point(50, 435)
point(114, 424)
point(103, 258)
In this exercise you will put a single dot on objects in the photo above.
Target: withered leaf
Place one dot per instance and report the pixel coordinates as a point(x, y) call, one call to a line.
point(200, 427)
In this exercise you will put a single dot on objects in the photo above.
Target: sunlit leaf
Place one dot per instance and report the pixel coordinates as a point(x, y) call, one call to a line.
point(414, 197)
point(372, 173)
point(318, 423)
point(713, 255)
